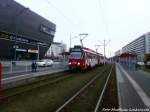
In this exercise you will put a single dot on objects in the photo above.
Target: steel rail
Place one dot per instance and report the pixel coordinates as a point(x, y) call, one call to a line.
point(79, 92)
point(102, 93)
point(51, 80)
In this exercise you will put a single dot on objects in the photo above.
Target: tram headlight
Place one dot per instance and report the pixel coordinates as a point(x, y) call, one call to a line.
point(78, 63)
point(69, 63)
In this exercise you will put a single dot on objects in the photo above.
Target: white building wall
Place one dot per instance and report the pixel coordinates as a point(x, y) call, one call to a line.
point(140, 46)
point(147, 43)
point(55, 49)
point(117, 53)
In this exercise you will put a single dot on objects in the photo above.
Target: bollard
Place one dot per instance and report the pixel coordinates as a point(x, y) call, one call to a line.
point(11, 67)
point(0, 81)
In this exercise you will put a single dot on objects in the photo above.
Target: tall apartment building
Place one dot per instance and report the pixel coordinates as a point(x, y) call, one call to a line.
point(140, 46)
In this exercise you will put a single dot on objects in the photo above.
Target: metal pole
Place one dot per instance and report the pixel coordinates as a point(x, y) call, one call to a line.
point(70, 40)
point(38, 53)
point(104, 52)
point(15, 48)
point(26, 66)
point(0, 80)
point(81, 40)
point(97, 50)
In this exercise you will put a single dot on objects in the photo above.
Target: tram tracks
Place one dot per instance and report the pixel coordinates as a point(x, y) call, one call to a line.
point(41, 81)
point(51, 93)
point(86, 98)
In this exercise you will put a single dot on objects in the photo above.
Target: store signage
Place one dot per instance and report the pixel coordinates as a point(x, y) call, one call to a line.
point(15, 46)
point(47, 30)
point(4, 35)
point(18, 39)
point(76, 50)
point(22, 40)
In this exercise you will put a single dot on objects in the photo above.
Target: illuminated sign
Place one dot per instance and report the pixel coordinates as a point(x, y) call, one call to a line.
point(32, 51)
point(23, 50)
point(18, 39)
point(47, 30)
point(22, 40)
point(76, 50)
point(4, 36)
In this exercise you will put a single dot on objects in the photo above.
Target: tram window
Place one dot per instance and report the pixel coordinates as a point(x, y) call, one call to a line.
point(83, 55)
point(75, 55)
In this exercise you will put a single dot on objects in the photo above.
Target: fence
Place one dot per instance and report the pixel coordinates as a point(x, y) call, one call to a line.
point(128, 60)
point(11, 68)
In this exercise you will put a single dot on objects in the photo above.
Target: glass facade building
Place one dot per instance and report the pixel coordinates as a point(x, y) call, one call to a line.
point(23, 33)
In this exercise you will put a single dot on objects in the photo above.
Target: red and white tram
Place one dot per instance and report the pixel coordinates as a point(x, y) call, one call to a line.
point(83, 58)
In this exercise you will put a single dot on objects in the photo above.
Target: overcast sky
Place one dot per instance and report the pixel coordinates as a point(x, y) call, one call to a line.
point(119, 21)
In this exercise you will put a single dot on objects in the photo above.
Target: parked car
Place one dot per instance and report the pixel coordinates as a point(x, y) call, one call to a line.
point(148, 64)
point(140, 63)
point(45, 62)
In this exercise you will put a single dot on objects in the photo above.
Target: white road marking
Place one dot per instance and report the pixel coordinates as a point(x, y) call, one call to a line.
point(119, 75)
point(139, 90)
point(102, 93)
point(118, 86)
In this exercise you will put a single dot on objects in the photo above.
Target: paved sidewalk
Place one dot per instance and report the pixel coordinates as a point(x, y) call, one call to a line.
point(30, 75)
point(131, 95)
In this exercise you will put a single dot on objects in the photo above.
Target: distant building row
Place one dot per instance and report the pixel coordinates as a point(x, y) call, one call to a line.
point(56, 49)
point(139, 46)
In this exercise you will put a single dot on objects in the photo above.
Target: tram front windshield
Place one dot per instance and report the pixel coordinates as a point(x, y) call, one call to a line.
point(75, 55)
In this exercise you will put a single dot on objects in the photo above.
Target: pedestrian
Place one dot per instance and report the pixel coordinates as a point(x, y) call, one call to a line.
point(35, 66)
point(32, 66)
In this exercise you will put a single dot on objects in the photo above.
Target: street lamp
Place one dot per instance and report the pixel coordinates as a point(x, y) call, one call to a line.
point(104, 45)
point(81, 39)
point(38, 46)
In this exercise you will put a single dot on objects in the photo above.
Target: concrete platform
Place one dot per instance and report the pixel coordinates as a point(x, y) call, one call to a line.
point(15, 81)
point(131, 94)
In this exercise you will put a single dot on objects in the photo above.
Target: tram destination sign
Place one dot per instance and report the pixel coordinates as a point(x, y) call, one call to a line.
point(76, 49)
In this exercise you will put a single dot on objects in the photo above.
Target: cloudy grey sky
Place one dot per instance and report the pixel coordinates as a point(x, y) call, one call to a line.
point(120, 21)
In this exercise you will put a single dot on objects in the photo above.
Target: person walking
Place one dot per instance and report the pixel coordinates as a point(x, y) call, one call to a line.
point(32, 66)
point(35, 66)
